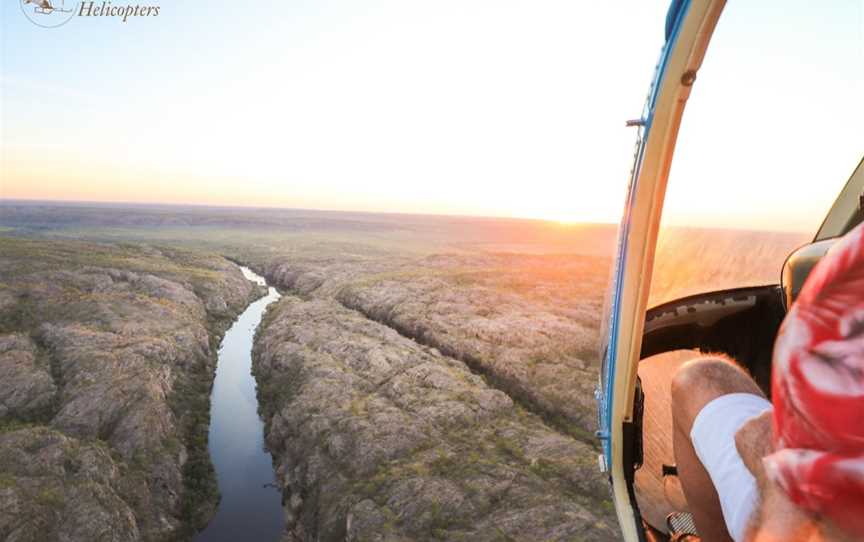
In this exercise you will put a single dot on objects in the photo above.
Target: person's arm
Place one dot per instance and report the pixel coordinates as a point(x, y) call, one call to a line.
point(777, 519)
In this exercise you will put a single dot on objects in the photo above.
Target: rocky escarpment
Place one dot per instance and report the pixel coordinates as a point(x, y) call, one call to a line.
point(529, 323)
point(106, 359)
point(376, 437)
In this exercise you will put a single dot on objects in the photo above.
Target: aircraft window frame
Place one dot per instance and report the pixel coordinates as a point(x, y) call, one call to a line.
point(846, 212)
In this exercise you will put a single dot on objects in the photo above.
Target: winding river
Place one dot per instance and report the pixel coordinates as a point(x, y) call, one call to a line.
point(251, 506)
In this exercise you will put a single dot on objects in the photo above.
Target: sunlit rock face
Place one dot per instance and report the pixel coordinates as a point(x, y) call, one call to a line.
point(529, 323)
point(377, 437)
point(106, 354)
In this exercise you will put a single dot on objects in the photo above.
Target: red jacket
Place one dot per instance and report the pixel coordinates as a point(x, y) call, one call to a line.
point(818, 390)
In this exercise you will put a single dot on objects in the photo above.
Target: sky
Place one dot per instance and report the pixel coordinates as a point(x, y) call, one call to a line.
point(497, 108)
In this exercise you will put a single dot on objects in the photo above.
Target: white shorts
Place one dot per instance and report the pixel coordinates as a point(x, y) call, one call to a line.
point(713, 437)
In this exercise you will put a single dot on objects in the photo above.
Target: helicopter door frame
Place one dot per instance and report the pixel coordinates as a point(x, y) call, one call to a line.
point(689, 27)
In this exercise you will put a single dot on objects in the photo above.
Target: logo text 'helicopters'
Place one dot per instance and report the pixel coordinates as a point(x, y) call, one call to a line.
point(54, 13)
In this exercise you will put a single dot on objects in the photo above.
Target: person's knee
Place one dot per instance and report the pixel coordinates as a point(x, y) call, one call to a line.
point(700, 375)
point(698, 382)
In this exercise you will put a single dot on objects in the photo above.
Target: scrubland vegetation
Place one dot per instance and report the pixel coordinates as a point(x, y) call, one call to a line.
point(422, 378)
point(692, 261)
point(106, 359)
point(377, 437)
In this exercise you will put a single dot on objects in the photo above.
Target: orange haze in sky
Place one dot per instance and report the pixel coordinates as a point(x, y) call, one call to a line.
point(491, 108)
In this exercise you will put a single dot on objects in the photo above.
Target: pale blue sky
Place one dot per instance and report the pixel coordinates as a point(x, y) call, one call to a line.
point(775, 123)
point(504, 107)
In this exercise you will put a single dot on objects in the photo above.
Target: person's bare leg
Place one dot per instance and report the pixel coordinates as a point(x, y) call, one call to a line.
point(694, 385)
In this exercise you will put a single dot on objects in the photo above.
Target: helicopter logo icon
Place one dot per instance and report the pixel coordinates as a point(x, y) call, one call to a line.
point(47, 13)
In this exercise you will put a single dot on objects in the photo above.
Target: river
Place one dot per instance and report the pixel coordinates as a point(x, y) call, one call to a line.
point(251, 506)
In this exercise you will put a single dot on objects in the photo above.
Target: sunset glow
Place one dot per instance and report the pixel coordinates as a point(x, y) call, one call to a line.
point(405, 269)
point(489, 108)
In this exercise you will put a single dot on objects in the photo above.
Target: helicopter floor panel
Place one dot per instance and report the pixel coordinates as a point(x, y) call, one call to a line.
point(658, 496)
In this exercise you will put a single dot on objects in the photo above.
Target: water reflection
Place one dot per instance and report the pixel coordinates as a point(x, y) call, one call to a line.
point(251, 507)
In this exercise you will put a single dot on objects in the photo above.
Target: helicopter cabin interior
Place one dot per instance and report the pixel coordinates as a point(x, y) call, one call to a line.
point(724, 290)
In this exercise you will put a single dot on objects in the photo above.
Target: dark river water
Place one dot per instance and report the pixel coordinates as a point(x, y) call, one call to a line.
point(251, 508)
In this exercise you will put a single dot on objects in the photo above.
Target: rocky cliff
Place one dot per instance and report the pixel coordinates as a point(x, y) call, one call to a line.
point(106, 358)
point(379, 438)
point(528, 323)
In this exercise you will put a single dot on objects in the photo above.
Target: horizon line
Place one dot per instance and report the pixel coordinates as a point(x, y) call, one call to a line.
point(119, 203)
point(558, 222)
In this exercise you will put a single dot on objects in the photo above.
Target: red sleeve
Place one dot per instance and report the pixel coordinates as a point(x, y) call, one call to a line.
point(818, 390)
